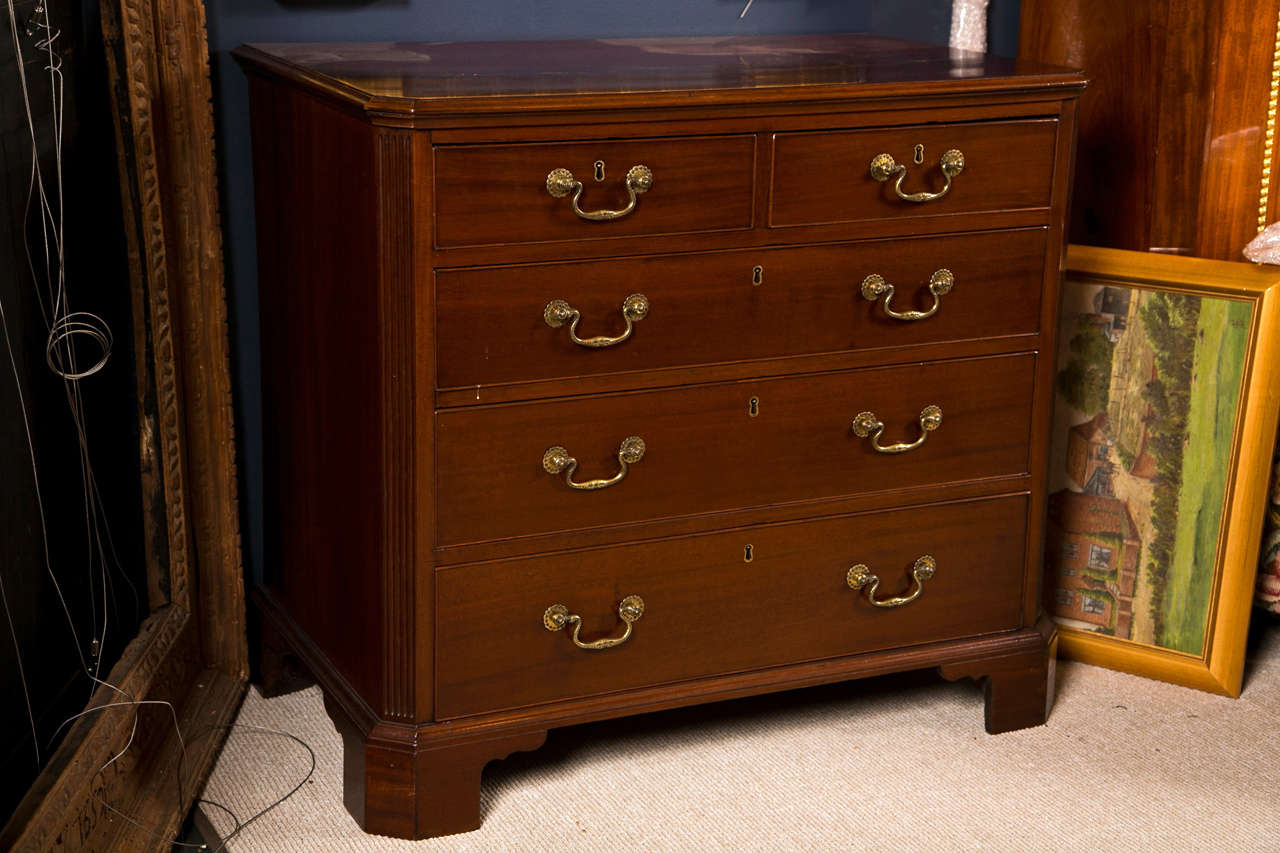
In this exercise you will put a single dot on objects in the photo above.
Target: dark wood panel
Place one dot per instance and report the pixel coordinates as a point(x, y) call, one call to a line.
point(491, 194)
point(321, 375)
point(706, 452)
point(710, 241)
point(825, 177)
point(424, 453)
point(707, 610)
point(395, 175)
point(1042, 402)
point(424, 78)
point(756, 369)
point(578, 540)
point(1177, 116)
point(378, 786)
point(708, 308)
point(580, 126)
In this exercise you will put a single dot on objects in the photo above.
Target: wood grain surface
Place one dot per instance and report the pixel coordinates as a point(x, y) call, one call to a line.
point(706, 453)
point(396, 81)
point(497, 194)
point(825, 177)
point(708, 610)
point(1177, 116)
point(707, 309)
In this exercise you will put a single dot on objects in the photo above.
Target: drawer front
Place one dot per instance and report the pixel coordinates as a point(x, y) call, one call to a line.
point(704, 309)
point(497, 194)
point(705, 451)
point(707, 610)
point(825, 177)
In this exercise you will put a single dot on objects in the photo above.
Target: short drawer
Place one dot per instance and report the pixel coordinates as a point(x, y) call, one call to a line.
point(726, 446)
point(496, 325)
point(826, 177)
point(498, 194)
point(708, 609)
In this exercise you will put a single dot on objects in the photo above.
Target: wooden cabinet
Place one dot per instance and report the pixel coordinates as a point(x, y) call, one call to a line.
point(609, 377)
point(1179, 118)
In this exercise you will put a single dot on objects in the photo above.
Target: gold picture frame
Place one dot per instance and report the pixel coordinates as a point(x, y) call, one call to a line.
point(1165, 398)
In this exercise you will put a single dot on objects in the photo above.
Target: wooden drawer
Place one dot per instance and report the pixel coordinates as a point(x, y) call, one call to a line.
point(707, 610)
point(706, 452)
point(497, 194)
point(705, 309)
point(825, 177)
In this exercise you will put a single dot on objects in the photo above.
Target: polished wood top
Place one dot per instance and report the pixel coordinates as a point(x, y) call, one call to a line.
point(410, 76)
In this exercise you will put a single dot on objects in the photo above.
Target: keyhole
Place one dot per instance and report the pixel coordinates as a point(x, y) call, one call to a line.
point(919, 155)
point(748, 553)
point(753, 406)
point(757, 275)
point(599, 167)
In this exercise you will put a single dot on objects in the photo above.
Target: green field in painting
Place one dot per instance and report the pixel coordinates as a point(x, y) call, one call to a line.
point(1218, 360)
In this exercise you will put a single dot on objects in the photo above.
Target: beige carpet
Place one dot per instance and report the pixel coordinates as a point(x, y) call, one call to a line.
point(891, 764)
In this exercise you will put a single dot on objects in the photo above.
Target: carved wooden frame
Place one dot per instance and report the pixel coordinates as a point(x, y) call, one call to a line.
point(191, 650)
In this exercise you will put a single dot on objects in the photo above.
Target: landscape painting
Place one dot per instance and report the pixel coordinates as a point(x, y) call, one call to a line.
point(1147, 402)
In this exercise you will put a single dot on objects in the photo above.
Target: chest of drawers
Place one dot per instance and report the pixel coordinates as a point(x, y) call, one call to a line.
point(606, 377)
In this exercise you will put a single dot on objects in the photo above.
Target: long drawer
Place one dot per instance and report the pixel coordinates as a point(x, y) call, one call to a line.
point(724, 602)
point(727, 446)
point(498, 194)
point(827, 176)
point(494, 325)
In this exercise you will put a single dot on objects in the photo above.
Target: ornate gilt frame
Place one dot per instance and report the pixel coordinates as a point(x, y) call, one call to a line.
point(1220, 668)
point(191, 650)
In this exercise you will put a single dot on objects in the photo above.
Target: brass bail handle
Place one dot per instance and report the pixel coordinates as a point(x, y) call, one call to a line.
point(561, 182)
point(940, 283)
point(860, 577)
point(558, 312)
point(557, 616)
point(884, 167)
point(557, 460)
point(867, 424)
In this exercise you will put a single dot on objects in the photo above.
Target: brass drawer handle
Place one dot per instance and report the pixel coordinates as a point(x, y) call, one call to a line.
point(558, 312)
point(874, 286)
point(557, 459)
point(561, 182)
point(867, 424)
point(557, 616)
point(883, 167)
point(860, 577)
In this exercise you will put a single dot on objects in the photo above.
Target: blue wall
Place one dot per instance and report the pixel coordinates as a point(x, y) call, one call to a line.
point(233, 22)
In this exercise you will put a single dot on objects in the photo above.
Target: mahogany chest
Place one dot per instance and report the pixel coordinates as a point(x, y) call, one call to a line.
point(605, 377)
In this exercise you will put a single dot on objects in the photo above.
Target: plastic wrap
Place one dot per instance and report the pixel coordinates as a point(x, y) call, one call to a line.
point(1265, 248)
point(969, 25)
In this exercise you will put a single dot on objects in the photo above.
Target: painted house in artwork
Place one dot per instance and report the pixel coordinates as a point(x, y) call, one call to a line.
point(1111, 312)
point(1091, 558)
point(1087, 445)
point(1113, 301)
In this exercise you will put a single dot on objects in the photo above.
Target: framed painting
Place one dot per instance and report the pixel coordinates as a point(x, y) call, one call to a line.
point(1165, 412)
